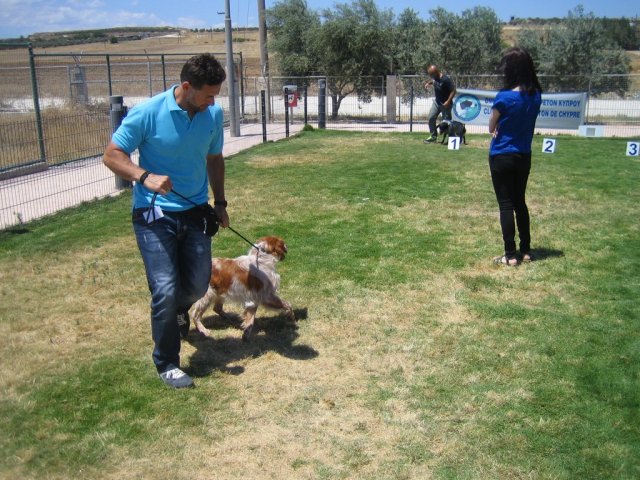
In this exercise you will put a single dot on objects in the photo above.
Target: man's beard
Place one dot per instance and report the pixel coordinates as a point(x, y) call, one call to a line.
point(193, 108)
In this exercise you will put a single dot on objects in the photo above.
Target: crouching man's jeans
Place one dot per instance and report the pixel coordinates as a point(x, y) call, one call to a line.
point(177, 258)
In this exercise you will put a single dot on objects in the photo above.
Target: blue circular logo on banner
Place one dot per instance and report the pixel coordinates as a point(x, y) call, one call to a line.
point(467, 107)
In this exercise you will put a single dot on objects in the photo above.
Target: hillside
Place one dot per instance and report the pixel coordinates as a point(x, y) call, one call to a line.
point(186, 41)
point(176, 41)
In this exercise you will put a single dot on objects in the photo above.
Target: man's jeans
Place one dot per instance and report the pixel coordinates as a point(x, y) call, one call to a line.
point(437, 109)
point(177, 258)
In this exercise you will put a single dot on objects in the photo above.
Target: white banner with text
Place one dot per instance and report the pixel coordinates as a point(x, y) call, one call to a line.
point(558, 110)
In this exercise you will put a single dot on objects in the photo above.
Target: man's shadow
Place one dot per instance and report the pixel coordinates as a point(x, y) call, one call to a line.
point(270, 334)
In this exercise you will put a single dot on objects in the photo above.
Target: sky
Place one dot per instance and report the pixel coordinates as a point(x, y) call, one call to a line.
point(23, 17)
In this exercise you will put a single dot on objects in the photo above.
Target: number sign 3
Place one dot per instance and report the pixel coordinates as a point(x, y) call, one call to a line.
point(633, 149)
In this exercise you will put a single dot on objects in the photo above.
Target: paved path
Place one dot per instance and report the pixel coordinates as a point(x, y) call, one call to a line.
point(610, 131)
point(33, 196)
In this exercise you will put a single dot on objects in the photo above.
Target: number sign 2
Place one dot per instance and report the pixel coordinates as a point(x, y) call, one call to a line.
point(454, 143)
point(633, 149)
point(549, 145)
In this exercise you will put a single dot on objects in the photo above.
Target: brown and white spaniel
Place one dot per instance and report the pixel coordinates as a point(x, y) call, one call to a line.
point(250, 280)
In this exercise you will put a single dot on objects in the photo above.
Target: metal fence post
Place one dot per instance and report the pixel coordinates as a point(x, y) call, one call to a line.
point(164, 73)
point(241, 86)
point(382, 93)
point(149, 80)
point(255, 95)
point(322, 103)
point(411, 108)
point(306, 118)
point(109, 75)
point(117, 111)
point(36, 104)
point(586, 115)
point(286, 111)
point(263, 111)
point(269, 100)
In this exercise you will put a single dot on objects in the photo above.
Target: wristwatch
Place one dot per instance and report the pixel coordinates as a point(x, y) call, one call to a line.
point(143, 177)
point(221, 203)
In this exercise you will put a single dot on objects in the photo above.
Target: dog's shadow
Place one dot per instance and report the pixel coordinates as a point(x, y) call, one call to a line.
point(544, 253)
point(270, 334)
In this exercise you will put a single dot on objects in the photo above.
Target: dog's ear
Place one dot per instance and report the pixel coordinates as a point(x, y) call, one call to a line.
point(280, 249)
point(272, 246)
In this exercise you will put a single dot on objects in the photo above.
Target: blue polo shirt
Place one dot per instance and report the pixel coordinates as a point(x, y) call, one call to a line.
point(518, 114)
point(172, 144)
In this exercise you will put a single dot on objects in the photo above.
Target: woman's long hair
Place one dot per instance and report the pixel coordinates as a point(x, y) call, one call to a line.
point(519, 71)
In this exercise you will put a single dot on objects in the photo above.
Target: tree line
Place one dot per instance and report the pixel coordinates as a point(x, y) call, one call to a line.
point(622, 31)
point(353, 43)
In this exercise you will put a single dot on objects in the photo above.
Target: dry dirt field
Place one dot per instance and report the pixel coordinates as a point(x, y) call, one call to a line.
point(246, 42)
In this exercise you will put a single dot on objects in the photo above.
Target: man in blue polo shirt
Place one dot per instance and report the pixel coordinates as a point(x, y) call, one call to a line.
point(179, 136)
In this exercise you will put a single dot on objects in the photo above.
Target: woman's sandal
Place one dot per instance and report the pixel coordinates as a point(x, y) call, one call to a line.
point(527, 257)
point(505, 260)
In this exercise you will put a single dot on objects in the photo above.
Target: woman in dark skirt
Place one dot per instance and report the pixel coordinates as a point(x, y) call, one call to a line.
point(513, 119)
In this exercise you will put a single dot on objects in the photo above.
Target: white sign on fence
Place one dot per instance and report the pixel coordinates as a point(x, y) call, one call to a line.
point(633, 149)
point(549, 145)
point(454, 143)
point(558, 110)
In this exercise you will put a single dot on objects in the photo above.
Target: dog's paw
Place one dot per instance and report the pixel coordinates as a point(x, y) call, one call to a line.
point(202, 329)
point(290, 313)
point(246, 334)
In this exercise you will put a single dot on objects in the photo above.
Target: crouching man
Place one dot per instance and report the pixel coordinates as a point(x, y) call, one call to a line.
point(444, 90)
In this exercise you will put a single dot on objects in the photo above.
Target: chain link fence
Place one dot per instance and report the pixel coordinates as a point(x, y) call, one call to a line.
point(72, 91)
point(55, 122)
point(54, 113)
point(614, 100)
point(19, 128)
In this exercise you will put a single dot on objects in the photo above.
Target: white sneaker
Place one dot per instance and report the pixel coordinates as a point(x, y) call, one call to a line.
point(176, 378)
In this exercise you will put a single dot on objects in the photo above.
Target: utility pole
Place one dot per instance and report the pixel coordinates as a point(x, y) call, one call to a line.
point(231, 74)
point(264, 58)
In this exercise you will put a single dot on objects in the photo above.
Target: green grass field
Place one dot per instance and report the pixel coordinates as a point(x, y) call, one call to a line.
point(413, 356)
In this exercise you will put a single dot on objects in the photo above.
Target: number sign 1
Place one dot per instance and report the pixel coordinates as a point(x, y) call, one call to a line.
point(549, 145)
point(633, 149)
point(454, 143)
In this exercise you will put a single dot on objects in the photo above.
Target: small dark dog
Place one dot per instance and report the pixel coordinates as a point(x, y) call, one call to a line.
point(450, 128)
